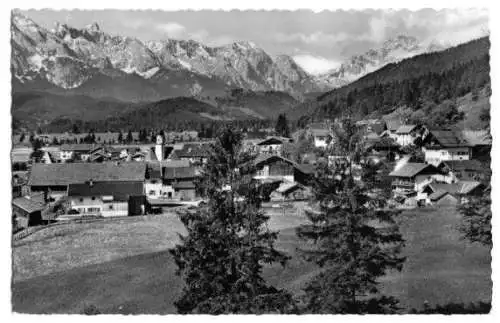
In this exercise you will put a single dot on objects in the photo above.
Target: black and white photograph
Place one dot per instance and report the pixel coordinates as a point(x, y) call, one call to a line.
point(250, 161)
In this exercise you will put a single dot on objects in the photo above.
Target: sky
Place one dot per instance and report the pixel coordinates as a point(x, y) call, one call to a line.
point(317, 41)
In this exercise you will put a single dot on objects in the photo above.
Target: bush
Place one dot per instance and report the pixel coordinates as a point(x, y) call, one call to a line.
point(455, 308)
point(91, 310)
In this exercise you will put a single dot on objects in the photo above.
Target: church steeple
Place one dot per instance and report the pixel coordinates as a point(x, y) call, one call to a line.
point(159, 148)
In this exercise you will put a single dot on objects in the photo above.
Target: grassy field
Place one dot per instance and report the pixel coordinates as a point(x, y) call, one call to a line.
point(123, 266)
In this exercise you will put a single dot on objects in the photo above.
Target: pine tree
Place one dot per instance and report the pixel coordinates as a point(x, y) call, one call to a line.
point(120, 137)
point(354, 238)
point(221, 258)
point(476, 223)
point(75, 129)
point(23, 136)
point(130, 138)
point(282, 128)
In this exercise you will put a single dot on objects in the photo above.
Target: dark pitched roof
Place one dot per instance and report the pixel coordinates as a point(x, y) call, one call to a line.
point(72, 173)
point(462, 187)
point(264, 158)
point(405, 129)
point(412, 169)
point(273, 141)
point(437, 195)
point(119, 190)
point(179, 172)
point(446, 139)
point(28, 205)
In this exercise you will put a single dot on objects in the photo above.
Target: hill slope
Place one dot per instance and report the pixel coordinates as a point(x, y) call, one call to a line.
point(268, 104)
point(440, 268)
point(432, 77)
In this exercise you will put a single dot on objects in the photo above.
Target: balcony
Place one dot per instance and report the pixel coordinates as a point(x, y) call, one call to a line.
point(403, 184)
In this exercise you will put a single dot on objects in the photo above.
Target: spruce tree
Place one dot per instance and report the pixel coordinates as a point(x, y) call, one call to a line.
point(130, 138)
point(352, 237)
point(282, 128)
point(222, 256)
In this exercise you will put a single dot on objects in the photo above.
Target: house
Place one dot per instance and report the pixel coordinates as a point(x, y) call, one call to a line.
point(290, 192)
point(272, 145)
point(249, 145)
point(154, 185)
point(375, 126)
point(321, 134)
point(178, 183)
point(464, 169)
point(459, 192)
point(173, 136)
point(384, 148)
point(391, 125)
point(79, 151)
point(27, 211)
point(443, 145)
point(153, 182)
point(411, 177)
point(407, 135)
point(321, 137)
point(275, 168)
point(442, 198)
point(54, 179)
point(107, 199)
point(196, 154)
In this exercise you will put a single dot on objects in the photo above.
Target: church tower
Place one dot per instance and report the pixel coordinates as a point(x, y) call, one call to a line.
point(159, 148)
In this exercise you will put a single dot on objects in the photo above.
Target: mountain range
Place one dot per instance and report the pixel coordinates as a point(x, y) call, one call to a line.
point(89, 61)
point(391, 51)
point(67, 75)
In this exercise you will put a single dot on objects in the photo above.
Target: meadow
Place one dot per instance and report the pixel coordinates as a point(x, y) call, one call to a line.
point(123, 266)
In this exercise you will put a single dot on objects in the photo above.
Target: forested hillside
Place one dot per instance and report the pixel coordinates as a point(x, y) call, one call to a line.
point(415, 82)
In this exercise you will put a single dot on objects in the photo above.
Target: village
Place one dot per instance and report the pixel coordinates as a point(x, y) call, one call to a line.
point(109, 178)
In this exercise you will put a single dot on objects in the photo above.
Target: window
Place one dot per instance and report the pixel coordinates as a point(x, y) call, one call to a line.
point(81, 199)
point(152, 192)
point(110, 206)
point(93, 198)
point(153, 181)
point(93, 210)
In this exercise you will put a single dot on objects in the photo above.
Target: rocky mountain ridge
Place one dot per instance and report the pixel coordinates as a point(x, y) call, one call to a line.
point(391, 51)
point(69, 57)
